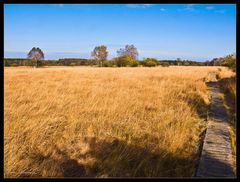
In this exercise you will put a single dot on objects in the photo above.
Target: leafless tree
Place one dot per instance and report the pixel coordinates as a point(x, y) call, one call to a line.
point(129, 50)
point(100, 53)
point(35, 54)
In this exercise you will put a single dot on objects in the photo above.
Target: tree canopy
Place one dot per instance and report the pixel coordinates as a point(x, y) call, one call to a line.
point(129, 50)
point(35, 54)
point(100, 52)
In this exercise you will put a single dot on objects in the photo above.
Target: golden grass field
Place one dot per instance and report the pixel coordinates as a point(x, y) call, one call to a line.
point(104, 122)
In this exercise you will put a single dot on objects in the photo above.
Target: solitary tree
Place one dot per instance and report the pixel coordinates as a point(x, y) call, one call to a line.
point(129, 50)
point(100, 53)
point(36, 54)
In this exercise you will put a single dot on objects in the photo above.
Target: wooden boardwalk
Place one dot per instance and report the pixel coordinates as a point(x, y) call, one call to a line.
point(216, 157)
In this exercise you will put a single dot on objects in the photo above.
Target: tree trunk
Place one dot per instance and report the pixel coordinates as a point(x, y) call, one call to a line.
point(36, 64)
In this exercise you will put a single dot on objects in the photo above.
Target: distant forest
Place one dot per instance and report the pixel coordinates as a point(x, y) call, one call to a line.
point(127, 57)
point(229, 61)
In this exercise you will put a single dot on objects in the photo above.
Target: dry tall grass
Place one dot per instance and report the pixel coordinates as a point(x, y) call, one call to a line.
point(103, 122)
point(228, 87)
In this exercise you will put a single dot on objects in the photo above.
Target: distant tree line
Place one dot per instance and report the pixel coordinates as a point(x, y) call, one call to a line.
point(126, 57)
point(228, 60)
point(60, 62)
point(122, 61)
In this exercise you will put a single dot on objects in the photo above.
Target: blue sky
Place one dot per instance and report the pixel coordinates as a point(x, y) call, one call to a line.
point(165, 31)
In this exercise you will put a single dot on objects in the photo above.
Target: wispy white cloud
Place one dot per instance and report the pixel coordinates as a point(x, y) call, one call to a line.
point(162, 9)
point(189, 8)
point(220, 11)
point(139, 5)
point(194, 8)
point(209, 8)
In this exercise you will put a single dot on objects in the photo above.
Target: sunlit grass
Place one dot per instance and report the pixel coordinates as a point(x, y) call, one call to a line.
point(103, 122)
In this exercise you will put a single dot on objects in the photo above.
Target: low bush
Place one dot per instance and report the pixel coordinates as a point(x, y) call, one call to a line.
point(165, 64)
point(150, 63)
point(123, 61)
point(134, 64)
point(108, 63)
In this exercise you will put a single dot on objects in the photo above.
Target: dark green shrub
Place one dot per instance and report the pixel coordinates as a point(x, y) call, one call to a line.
point(134, 64)
point(6, 63)
point(108, 63)
point(124, 60)
point(38, 63)
point(165, 64)
point(150, 63)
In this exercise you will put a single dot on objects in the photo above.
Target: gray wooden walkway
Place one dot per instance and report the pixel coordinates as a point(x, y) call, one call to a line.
point(216, 157)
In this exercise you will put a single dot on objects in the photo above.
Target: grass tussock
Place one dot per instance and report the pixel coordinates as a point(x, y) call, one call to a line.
point(103, 122)
point(228, 88)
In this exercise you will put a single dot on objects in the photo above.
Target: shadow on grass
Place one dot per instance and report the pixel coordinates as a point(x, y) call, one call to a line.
point(228, 88)
point(116, 158)
point(62, 167)
point(113, 158)
point(197, 103)
point(229, 97)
